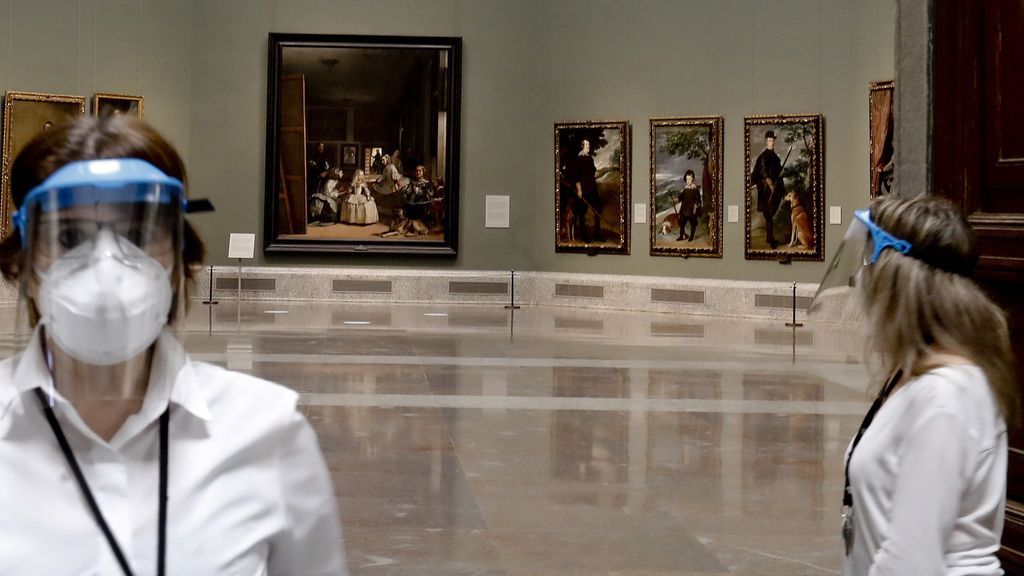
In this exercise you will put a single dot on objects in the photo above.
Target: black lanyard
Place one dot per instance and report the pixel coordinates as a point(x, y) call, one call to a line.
point(868, 418)
point(161, 550)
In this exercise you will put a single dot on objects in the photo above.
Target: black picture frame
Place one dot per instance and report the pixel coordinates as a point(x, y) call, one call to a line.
point(407, 99)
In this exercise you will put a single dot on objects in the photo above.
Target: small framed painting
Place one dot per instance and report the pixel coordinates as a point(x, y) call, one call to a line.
point(882, 152)
point(104, 104)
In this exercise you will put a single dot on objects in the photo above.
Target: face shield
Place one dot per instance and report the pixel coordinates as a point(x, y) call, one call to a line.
point(862, 244)
point(102, 269)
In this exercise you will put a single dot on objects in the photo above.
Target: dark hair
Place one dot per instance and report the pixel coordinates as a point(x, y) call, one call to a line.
point(88, 138)
point(690, 173)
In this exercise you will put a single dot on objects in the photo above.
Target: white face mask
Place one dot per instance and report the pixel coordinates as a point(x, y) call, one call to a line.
point(106, 301)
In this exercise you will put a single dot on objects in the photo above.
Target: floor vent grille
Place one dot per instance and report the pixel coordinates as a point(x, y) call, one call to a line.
point(248, 284)
point(579, 291)
point(365, 286)
point(462, 287)
point(677, 296)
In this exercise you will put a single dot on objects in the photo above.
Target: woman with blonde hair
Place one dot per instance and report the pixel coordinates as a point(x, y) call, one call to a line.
point(359, 206)
point(926, 473)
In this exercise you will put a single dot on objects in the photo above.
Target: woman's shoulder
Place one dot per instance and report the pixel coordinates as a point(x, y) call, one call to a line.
point(960, 390)
point(232, 395)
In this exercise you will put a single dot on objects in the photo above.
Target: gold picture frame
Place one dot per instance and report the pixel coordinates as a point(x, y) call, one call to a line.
point(681, 146)
point(592, 187)
point(106, 103)
point(26, 114)
point(785, 212)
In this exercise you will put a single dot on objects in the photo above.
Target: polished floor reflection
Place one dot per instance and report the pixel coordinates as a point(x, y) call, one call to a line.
point(463, 440)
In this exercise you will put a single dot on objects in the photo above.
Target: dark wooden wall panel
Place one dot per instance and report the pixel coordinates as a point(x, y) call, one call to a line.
point(977, 160)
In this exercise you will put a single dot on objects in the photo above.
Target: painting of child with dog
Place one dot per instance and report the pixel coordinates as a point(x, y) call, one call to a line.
point(784, 187)
point(592, 187)
point(686, 186)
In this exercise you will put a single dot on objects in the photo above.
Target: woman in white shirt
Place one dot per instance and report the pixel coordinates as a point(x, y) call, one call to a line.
point(926, 473)
point(119, 454)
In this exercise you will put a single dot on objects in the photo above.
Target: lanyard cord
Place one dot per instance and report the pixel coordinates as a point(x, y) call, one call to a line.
point(883, 394)
point(69, 455)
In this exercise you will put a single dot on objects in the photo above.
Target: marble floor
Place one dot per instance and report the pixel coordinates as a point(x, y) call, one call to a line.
point(471, 440)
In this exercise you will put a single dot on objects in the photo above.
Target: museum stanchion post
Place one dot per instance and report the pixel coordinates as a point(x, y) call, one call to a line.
point(210, 299)
point(794, 323)
point(512, 291)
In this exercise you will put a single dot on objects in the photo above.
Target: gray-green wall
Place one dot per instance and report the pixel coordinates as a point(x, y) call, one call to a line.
point(201, 66)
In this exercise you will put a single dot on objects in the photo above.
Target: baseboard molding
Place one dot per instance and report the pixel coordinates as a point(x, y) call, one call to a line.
point(692, 296)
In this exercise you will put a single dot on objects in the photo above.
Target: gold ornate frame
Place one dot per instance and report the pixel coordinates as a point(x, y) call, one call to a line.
point(625, 176)
point(10, 99)
point(873, 87)
point(106, 96)
point(715, 165)
point(817, 188)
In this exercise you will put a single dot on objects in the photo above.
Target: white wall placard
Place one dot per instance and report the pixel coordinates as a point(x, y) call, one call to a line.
point(639, 213)
point(242, 246)
point(734, 213)
point(835, 214)
point(496, 211)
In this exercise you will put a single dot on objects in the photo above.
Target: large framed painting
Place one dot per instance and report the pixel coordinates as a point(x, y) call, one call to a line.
point(106, 104)
point(26, 114)
point(785, 187)
point(362, 149)
point(686, 186)
point(592, 182)
point(881, 137)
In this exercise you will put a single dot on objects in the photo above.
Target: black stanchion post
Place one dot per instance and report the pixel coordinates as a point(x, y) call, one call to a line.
point(794, 323)
point(210, 300)
point(512, 291)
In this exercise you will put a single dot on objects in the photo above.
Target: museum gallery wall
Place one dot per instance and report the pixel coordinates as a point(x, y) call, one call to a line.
point(203, 68)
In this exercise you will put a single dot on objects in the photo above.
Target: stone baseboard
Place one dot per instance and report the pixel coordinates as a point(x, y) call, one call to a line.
point(695, 296)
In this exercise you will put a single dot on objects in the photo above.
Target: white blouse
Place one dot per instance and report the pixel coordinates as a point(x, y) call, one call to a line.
point(248, 492)
point(929, 480)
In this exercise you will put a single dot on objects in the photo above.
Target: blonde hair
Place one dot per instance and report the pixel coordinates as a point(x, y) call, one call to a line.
point(926, 303)
point(358, 177)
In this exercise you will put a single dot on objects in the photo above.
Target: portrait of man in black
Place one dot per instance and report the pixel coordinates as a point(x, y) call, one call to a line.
point(771, 188)
point(582, 174)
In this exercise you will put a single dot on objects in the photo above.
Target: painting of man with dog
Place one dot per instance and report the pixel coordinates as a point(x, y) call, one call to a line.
point(785, 187)
point(592, 187)
point(686, 186)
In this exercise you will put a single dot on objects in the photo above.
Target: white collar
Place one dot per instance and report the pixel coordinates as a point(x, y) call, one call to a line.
point(171, 379)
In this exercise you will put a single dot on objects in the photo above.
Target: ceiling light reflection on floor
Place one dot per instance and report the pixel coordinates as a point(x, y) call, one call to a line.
point(436, 314)
point(357, 322)
point(275, 311)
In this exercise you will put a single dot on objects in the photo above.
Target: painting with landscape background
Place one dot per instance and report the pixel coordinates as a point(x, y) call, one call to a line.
point(686, 186)
point(785, 188)
point(592, 176)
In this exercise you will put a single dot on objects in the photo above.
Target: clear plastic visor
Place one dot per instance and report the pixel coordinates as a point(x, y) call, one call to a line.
point(129, 220)
point(837, 291)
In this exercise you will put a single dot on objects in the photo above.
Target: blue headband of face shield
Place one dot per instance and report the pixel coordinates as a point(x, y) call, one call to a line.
point(880, 239)
point(118, 180)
